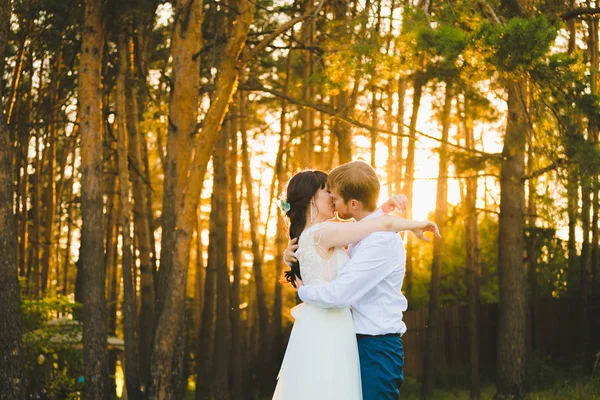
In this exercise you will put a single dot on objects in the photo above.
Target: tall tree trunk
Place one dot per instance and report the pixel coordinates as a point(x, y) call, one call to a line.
point(67, 256)
point(132, 372)
point(50, 191)
point(222, 332)
point(95, 355)
point(183, 111)
point(374, 89)
point(595, 64)
point(33, 275)
point(532, 246)
point(11, 353)
point(587, 181)
point(206, 350)
point(113, 280)
point(441, 206)
point(261, 301)
point(236, 261)
point(472, 260)
point(407, 187)
point(572, 175)
point(307, 115)
point(399, 156)
point(12, 384)
point(141, 221)
point(511, 273)
point(199, 283)
point(280, 241)
point(24, 182)
point(185, 221)
point(18, 71)
point(343, 130)
point(111, 231)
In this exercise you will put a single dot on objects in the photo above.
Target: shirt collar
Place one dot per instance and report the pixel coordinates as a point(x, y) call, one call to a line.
point(374, 214)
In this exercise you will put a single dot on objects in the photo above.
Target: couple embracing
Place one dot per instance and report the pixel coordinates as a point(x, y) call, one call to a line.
point(346, 341)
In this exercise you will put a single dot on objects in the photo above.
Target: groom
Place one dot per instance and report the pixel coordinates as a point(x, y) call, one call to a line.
point(370, 283)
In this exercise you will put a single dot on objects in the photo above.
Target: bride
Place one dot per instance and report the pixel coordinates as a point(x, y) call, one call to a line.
point(321, 361)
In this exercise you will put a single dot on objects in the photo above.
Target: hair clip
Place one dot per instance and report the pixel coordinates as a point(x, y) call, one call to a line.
point(283, 205)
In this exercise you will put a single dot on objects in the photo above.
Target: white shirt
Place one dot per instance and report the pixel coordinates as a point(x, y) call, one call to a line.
point(371, 283)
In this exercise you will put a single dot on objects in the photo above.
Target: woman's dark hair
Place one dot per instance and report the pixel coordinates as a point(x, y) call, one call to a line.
point(300, 191)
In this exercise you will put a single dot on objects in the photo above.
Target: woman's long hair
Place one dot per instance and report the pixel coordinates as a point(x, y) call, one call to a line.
point(300, 190)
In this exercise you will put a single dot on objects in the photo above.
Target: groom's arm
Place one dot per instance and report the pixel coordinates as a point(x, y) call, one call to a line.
point(369, 265)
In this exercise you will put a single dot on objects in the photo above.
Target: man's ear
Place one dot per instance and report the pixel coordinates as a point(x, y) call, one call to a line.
point(354, 204)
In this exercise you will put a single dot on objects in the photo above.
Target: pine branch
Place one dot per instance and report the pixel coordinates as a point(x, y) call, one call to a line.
point(553, 165)
point(326, 109)
point(579, 12)
point(311, 12)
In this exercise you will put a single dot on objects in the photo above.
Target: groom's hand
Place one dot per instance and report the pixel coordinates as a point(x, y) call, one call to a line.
point(397, 202)
point(289, 255)
point(299, 283)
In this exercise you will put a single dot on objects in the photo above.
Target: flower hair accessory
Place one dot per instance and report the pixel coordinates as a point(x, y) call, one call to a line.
point(283, 205)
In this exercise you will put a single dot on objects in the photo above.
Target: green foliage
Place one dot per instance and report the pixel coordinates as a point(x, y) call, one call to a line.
point(444, 45)
point(52, 348)
point(453, 288)
point(518, 46)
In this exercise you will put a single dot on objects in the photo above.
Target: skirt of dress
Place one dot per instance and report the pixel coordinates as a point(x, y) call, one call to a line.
point(321, 359)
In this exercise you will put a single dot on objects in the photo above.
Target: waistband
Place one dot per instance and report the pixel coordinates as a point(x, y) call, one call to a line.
point(363, 336)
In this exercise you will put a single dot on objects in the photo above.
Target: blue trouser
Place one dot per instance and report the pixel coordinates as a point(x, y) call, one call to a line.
point(381, 363)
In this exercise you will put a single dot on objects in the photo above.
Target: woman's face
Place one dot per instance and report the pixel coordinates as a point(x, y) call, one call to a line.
point(323, 205)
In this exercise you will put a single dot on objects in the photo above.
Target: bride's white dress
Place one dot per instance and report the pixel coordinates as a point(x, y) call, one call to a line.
point(321, 359)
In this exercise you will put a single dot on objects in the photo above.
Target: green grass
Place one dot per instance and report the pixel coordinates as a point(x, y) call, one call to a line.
point(583, 389)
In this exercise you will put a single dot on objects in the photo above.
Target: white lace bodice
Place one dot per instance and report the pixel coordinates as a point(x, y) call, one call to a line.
point(313, 267)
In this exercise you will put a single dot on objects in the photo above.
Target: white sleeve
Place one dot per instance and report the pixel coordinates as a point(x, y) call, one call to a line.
point(369, 265)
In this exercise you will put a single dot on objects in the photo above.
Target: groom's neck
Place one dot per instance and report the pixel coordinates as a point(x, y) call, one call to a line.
point(360, 214)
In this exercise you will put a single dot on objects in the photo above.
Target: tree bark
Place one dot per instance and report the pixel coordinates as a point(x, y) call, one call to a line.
point(399, 156)
point(343, 130)
point(436, 265)
point(261, 300)
point(183, 111)
point(95, 355)
point(12, 385)
point(50, 150)
point(132, 372)
point(141, 220)
point(222, 332)
point(225, 87)
point(206, 349)
point(407, 186)
point(532, 246)
point(280, 237)
point(511, 272)
point(199, 283)
point(472, 261)
point(572, 175)
point(236, 260)
point(307, 115)
point(595, 64)
point(11, 352)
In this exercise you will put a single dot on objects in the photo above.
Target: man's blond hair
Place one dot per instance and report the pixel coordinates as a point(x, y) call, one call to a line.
point(356, 180)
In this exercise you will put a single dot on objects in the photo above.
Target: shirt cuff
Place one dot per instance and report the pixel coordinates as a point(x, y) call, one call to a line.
point(302, 292)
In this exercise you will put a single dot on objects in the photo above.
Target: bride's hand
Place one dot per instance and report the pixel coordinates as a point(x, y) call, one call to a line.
point(289, 255)
point(397, 202)
point(427, 226)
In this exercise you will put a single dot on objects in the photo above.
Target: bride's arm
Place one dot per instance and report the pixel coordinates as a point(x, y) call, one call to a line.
point(333, 234)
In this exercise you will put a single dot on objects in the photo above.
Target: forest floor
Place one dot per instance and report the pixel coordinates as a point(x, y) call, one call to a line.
point(567, 389)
